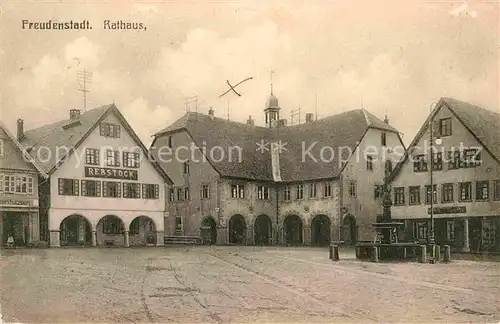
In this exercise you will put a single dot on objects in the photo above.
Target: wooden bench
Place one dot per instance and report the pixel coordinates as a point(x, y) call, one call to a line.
point(178, 239)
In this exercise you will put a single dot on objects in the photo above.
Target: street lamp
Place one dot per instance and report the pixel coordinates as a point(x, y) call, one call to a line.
point(431, 237)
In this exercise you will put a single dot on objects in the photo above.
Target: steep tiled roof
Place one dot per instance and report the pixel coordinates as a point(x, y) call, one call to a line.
point(43, 143)
point(484, 124)
point(344, 130)
point(22, 151)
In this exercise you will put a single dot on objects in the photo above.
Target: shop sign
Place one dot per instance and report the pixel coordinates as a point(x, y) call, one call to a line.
point(14, 203)
point(108, 173)
point(448, 210)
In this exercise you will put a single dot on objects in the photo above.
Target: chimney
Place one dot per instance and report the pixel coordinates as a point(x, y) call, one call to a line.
point(20, 129)
point(74, 114)
point(211, 113)
point(386, 120)
point(309, 117)
point(250, 121)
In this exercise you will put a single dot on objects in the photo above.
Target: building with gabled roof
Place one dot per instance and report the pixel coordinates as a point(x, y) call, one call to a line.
point(19, 178)
point(102, 187)
point(246, 184)
point(465, 193)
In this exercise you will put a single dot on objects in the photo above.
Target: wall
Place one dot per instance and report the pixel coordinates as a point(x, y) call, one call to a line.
point(94, 208)
point(195, 209)
point(364, 206)
point(489, 170)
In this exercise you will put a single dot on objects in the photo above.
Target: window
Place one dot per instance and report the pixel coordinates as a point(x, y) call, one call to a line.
point(1, 148)
point(399, 196)
point(112, 225)
point(20, 184)
point(186, 167)
point(150, 191)
point(419, 164)
point(450, 230)
point(171, 194)
point(312, 190)
point(180, 194)
point(205, 191)
point(186, 193)
point(388, 167)
point(300, 191)
point(91, 188)
point(447, 193)
point(496, 190)
point(178, 223)
point(263, 193)
point(110, 130)
point(453, 160)
point(445, 127)
point(68, 187)
point(111, 189)
point(131, 190)
point(414, 195)
point(465, 191)
point(369, 163)
point(237, 191)
point(112, 158)
point(378, 191)
point(420, 230)
point(383, 139)
point(327, 189)
point(286, 193)
point(437, 161)
point(134, 227)
point(131, 159)
point(482, 190)
point(92, 156)
point(431, 193)
point(471, 158)
point(489, 234)
point(352, 188)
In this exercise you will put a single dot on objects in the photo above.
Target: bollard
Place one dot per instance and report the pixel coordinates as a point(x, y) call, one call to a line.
point(423, 254)
point(331, 252)
point(437, 253)
point(335, 253)
point(447, 253)
point(375, 254)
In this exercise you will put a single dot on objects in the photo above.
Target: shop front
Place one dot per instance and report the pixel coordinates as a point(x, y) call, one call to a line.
point(19, 219)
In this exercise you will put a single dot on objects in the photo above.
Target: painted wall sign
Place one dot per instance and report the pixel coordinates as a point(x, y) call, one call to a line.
point(15, 202)
point(448, 210)
point(96, 172)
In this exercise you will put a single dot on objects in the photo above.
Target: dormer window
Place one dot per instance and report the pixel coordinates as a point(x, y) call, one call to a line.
point(383, 139)
point(1, 148)
point(110, 130)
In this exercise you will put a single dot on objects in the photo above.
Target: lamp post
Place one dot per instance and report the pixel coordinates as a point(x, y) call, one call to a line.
point(431, 238)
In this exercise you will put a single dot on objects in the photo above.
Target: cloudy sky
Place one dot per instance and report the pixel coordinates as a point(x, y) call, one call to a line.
point(391, 57)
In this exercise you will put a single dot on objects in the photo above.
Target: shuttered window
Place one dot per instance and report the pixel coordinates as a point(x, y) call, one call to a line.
point(68, 187)
point(150, 191)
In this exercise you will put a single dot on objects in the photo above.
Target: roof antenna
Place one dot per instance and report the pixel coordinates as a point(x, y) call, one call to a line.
point(84, 77)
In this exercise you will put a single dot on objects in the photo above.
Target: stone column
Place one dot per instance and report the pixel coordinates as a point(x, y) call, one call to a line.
point(466, 247)
point(126, 239)
point(54, 238)
point(94, 238)
point(306, 235)
point(160, 238)
point(222, 235)
point(249, 236)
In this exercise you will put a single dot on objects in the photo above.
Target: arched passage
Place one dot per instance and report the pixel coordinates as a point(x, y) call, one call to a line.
point(262, 230)
point(75, 230)
point(209, 230)
point(110, 230)
point(320, 234)
point(349, 232)
point(292, 227)
point(237, 230)
point(142, 231)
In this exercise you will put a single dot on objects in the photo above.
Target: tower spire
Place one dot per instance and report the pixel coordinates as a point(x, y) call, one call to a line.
point(271, 73)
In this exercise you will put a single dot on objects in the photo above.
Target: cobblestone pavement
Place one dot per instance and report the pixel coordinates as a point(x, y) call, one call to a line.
point(240, 284)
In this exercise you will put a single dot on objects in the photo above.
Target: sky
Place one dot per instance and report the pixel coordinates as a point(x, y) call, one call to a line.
point(391, 58)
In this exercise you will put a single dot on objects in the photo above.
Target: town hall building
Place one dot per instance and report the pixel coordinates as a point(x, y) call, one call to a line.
point(311, 183)
point(102, 188)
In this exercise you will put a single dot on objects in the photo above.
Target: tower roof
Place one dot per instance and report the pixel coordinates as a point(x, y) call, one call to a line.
point(272, 102)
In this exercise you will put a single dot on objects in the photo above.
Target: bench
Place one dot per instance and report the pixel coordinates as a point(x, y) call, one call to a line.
point(177, 239)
